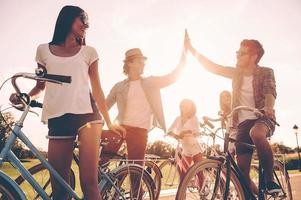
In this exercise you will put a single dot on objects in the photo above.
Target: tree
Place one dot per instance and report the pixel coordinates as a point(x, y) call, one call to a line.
point(281, 148)
point(160, 148)
point(7, 121)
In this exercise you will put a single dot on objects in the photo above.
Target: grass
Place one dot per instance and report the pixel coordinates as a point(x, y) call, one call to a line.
point(167, 172)
point(295, 171)
point(41, 178)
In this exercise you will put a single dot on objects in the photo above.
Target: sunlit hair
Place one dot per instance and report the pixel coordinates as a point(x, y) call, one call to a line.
point(254, 48)
point(64, 24)
point(192, 107)
point(225, 107)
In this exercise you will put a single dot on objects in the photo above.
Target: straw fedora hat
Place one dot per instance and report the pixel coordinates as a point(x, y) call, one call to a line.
point(133, 53)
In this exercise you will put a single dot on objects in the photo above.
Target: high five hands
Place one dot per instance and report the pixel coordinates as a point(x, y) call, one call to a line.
point(187, 43)
point(187, 47)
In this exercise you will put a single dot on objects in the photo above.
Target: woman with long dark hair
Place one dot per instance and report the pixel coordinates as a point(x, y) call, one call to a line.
point(71, 110)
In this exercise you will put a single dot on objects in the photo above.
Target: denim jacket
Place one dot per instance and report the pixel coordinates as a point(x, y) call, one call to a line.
point(151, 86)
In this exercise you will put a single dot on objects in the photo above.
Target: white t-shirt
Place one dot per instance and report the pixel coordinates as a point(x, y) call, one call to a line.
point(138, 111)
point(190, 143)
point(67, 98)
point(246, 99)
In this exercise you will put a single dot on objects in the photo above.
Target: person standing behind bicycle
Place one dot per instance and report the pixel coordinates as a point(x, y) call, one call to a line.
point(225, 103)
point(254, 86)
point(139, 101)
point(70, 109)
point(186, 129)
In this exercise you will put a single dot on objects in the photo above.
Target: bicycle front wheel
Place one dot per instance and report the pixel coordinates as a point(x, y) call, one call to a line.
point(42, 176)
point(7, 191)
point(132, 181)
point(206, 180)
point(155, 172)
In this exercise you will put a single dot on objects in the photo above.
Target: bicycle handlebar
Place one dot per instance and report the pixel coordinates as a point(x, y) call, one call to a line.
point(39, 75)
point(58, 79)
point(208, 119)
point(256, 111)
point(35, 104)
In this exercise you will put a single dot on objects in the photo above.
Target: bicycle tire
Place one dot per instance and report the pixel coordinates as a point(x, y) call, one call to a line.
point(42, 176)
point(288, 189)
point(155, 172)
point(281, 177)
point(120, 177)
point(213, 167)
point(7, 191)
point(151, 167)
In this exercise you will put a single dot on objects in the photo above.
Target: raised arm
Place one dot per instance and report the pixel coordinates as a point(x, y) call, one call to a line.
point(168, 79)
point(209, 65)
point(172, 77)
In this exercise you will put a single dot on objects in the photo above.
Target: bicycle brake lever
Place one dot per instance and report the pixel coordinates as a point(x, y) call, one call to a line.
point(19, 107)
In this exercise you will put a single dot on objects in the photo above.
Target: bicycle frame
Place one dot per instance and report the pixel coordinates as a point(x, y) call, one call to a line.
point(179, 160)
point(104, 175)
point(7, 154)
point(231, 164)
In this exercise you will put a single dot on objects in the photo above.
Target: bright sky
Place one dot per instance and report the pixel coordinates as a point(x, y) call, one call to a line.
point(157, 27)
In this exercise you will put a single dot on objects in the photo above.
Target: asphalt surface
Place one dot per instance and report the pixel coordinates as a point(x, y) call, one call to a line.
point(295, 180)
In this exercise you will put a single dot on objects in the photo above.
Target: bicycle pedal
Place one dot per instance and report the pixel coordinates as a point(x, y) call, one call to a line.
point(274, 194)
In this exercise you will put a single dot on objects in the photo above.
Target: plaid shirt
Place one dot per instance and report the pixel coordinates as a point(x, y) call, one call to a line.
point(263, 83)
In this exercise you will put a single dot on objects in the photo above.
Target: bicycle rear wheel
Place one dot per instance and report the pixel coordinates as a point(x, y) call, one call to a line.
point(206, 180)
point(132, 181)
point(42, 176)
point(281, 177)
point(7, 192)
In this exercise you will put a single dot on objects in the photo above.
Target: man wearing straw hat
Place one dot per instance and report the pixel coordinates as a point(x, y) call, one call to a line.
point(139, 102)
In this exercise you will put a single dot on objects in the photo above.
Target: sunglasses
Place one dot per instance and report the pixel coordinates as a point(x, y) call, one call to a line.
point(84, 19)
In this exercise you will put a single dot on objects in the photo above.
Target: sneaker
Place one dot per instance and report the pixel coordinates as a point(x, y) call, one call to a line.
point(273, 188)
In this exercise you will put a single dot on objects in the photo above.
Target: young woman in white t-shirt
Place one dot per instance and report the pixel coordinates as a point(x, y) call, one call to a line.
point(72, 109)
point(186, 129)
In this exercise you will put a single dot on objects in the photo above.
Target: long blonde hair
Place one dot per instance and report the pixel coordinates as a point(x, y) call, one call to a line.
point(192, 110)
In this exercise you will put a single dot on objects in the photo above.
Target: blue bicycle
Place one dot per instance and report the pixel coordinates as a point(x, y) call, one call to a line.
point(115, 184)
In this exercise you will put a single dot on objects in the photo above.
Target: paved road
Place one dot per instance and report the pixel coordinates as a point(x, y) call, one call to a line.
point(296, 186)
point(295, 183)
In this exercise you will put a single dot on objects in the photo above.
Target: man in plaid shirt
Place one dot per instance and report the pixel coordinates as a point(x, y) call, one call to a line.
point(253, 86)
